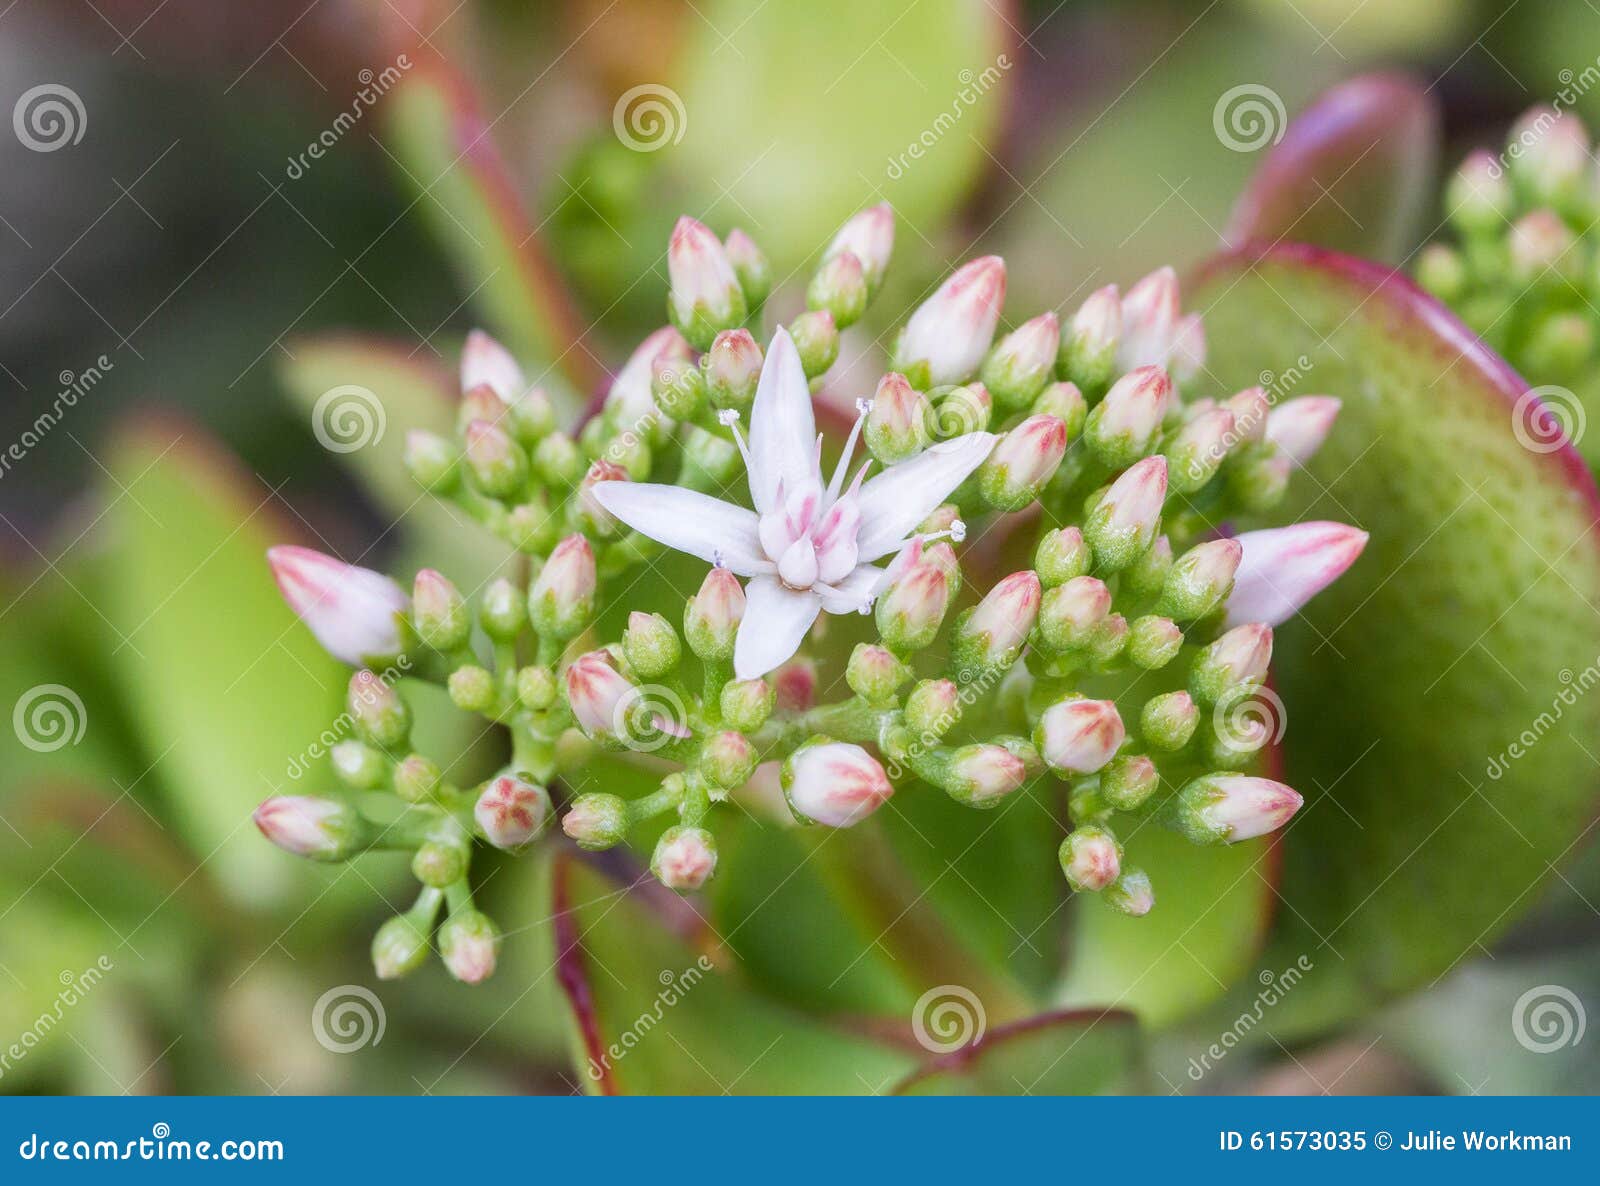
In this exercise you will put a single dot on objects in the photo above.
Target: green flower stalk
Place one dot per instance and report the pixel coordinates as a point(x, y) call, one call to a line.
point(1094, 673)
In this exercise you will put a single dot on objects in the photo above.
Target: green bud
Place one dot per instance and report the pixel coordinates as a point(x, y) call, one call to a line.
point(597, 821)
point(684, 858)
point(399, 948)
point(497, 464)
point(439, 863)
point(1070, 613)
point(1147, 575)
point(431, 460)
point(933, 708)
point(531, 416)
point(711, 619)
point(1260, 483)
point(1233, 664)
point(1022, 462)
point(910, 612)
point(1478, 197)
point(359, 766)
point(1153, 642)
point(727, 760)
point(679, 390)
point(964, 409)
point(732, 369)
point(380, 715)
point(897, 424)
point(715, 458)
point(1127, 517)
point(503, 612)
point(1091, 858)
point(537, 688)
point(1442, 271)
point(651, 645)
point(469, 944)
point(1129, 781)
point(1168, 721)
point(1559, 344)
point(874, 674)
point(1108, 640)
point(746, 704)
point(1022, 362)
point(1061, 556)
point(557, 460)
point(1089, 341)
point(750, 266)
point(561, 599)
point(1066, 403)
point(472, 689)
point(1130, 893)
point(1200, 581)
point(531, 526)
point(840, 288)
point(438, 611)
point(816, 339)
point(417, 778)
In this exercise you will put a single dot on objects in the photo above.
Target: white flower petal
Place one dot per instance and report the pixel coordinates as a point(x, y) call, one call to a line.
point(718, 532)
point(1283, 568)
point(904, 495)
point(775, 623)
point(856, 590)
point(783, 430)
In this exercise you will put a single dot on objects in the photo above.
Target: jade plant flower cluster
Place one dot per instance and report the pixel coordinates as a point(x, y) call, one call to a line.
point(1109, 666)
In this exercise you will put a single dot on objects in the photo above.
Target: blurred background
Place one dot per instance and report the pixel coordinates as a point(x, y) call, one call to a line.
point(194, 196)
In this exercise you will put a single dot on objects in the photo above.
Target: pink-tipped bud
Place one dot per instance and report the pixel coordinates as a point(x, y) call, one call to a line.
point(469, 944)
point(992, 633)
point(910, 612)
point(561, 601)
point(1235, 662)
point(497, 464)
point(933, 708)
point(1079, 736)
point(1250, 409)
point(600, 520)
point(834, 783)
point(1124, 523)
point(486, 363)
point(1070, 612)
point(727, 759)
point(439, 611)
point(630, 401)
point(1088, 352)
point(479, 403)
point(1188, 349)
point(311, 826)
point(1091, 858)
point(1551, 154)
point(1282, 568)
point(684, 858)
point(354, 613)
point(705, 293)
point(732, 369)
point(1022, 461)
point(711, 620)
point(949, 334)
point(1478, 198)
point(982, 775)
point(1149, 321)
point(1131, 893)
point(1200, 579)
point(795, 685)
point(1224, 808)
point(1022, 362)
point(1123, 426)
point(897, 423)
point(750, 265)
point(597, 821)
point(1299, 427)
point(511, 812)
point(1539, 243)
point(599, 694)
point(869, 236)
point(840, 287)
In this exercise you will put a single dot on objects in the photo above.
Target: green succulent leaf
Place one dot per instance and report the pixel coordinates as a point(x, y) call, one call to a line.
point(1092, 1052)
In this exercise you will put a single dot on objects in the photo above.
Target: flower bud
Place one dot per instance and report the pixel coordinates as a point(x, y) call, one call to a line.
point(439, 863)
point(1259, 484)
point(472, 689)
point(1079, 736)
point(1200, 580)
point(1478, 198)
point(732, 368)
point(1224, 808)
point(1128, 781)
point(1153, 642)
point(1091, 858)
point(840, 287)
point(1283, 568)
point(910, 612)
point(1201, 447)
point(1146, 576)
point(630, 401)
point(1188, 349)
point(561, 601)
point(678, 388)
point(358, 765)
point(1541, 247)
point(417, 778)
point(897, 422)
point(1066, 403)
point(1125, 520)
point(795, 685)
point(1061, 556)
point(354, 613)
point(869, 236)
point(597, 821)
point(950, 332)
point(1168, 721)
point(1070, 612)
point(874, 674)
point(1149, 321)
point(963, 409)
point(1558, 344)
point(479, 403)
point(685, 858)
point(1023, 361)
point(727, 760)
point(1443, 272)
point(706, 295)
point(943, 557)
point(816, 341)
point(746, 704)
point(503, 612)
point(1108, 640)
point(486, 363)
point(469, 944)
point(1554, 162)
point(991, 634)
point(1124, 425)
point(982, 775)
point(438, 611)
point(1022, 461)
point(1131, 893)
point(711, 619)
point(531, 416)
point(651, 645)
point(599, 694)
point(750, 266)
point(380, 715)
point(1235, 662)
point(399, 948)
point(312, 826)
point(431, 461)
point(1089, 341)
point(933, 708)
point(834, 783)
point(537, 688)
point(1299, 426)
point(496, 463)
point(1250, 409)
point(510, 812)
